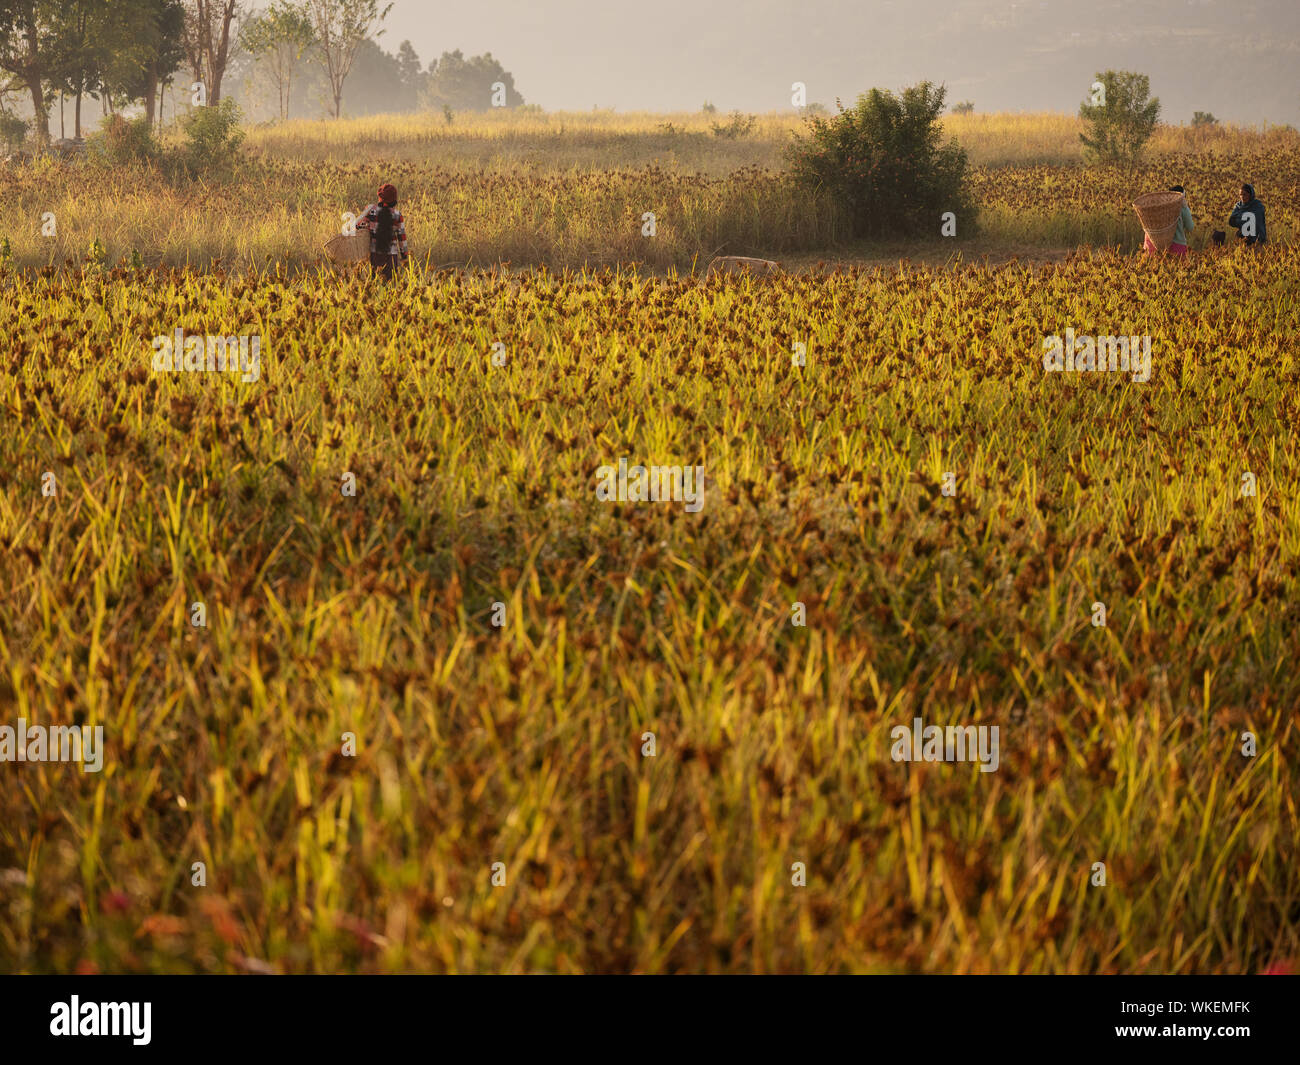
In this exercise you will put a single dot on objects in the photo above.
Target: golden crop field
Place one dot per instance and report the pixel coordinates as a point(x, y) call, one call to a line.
point(602, 736)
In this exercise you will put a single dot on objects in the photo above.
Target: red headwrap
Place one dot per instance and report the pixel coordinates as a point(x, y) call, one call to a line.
point(388, 195)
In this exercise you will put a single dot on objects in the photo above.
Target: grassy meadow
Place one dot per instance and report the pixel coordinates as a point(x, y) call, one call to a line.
point(570, 191)
point(522, 743)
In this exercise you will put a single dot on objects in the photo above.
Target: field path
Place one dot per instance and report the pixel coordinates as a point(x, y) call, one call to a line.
point(928, 255)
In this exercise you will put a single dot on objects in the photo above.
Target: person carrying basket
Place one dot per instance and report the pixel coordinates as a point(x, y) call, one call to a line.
point(1183, 226)
point(387, 230)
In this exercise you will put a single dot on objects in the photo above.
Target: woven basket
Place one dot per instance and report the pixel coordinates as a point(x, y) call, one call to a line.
point(1158, 212)
point(353, 249)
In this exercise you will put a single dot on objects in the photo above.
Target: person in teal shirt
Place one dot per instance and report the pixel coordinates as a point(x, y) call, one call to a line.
point(1185, 225)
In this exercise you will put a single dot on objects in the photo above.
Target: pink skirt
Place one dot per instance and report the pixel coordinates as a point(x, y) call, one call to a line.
point(1174, 249)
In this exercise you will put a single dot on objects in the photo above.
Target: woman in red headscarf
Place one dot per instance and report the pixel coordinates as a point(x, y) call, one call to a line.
point(387, 232)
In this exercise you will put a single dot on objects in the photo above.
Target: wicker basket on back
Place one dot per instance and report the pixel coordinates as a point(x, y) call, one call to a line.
point(353, 249)
point(1158, 212)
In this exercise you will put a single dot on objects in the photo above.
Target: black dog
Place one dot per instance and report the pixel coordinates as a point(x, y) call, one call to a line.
point(1219, 236)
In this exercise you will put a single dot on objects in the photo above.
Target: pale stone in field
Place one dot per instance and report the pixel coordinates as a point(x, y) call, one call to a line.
point(739, 264)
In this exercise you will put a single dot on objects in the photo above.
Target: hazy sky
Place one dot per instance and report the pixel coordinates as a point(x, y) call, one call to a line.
point(1240, 60)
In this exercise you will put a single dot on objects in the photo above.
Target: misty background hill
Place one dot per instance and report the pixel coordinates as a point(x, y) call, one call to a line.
point(1240, 60)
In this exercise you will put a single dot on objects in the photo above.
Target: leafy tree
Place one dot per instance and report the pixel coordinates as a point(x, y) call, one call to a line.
point(884, 161)
point(466, 84)
point(1122, 120)
point(279, 38)
point(340, 27)
point(12, 131)
point(408, 66)
point(1204, 118)
point(735, 127)
point(963, 108)
point(165, 51)
point(33, 51)
point(82, 25)
point(209, 35)
point(376, 84)
point(143, 47)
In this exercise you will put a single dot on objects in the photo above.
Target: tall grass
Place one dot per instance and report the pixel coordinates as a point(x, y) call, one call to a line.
point(603, 139)
point(572, 191)
point(1052, 139)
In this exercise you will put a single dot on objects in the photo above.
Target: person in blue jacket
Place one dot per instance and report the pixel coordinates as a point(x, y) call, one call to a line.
point(1248, 218)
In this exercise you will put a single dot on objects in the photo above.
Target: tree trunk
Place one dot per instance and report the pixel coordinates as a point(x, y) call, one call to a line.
point(150, 94)
point(217, 52)
point(40, 116)
point(81, 75)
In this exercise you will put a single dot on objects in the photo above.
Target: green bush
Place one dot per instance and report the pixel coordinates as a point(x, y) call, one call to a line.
point(13, 131)
point(1122, 121)
point(736, 126)
point(1204, 118)
point(123, 141)
point(212, 139)
point(883, 160)
point(963, 108)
